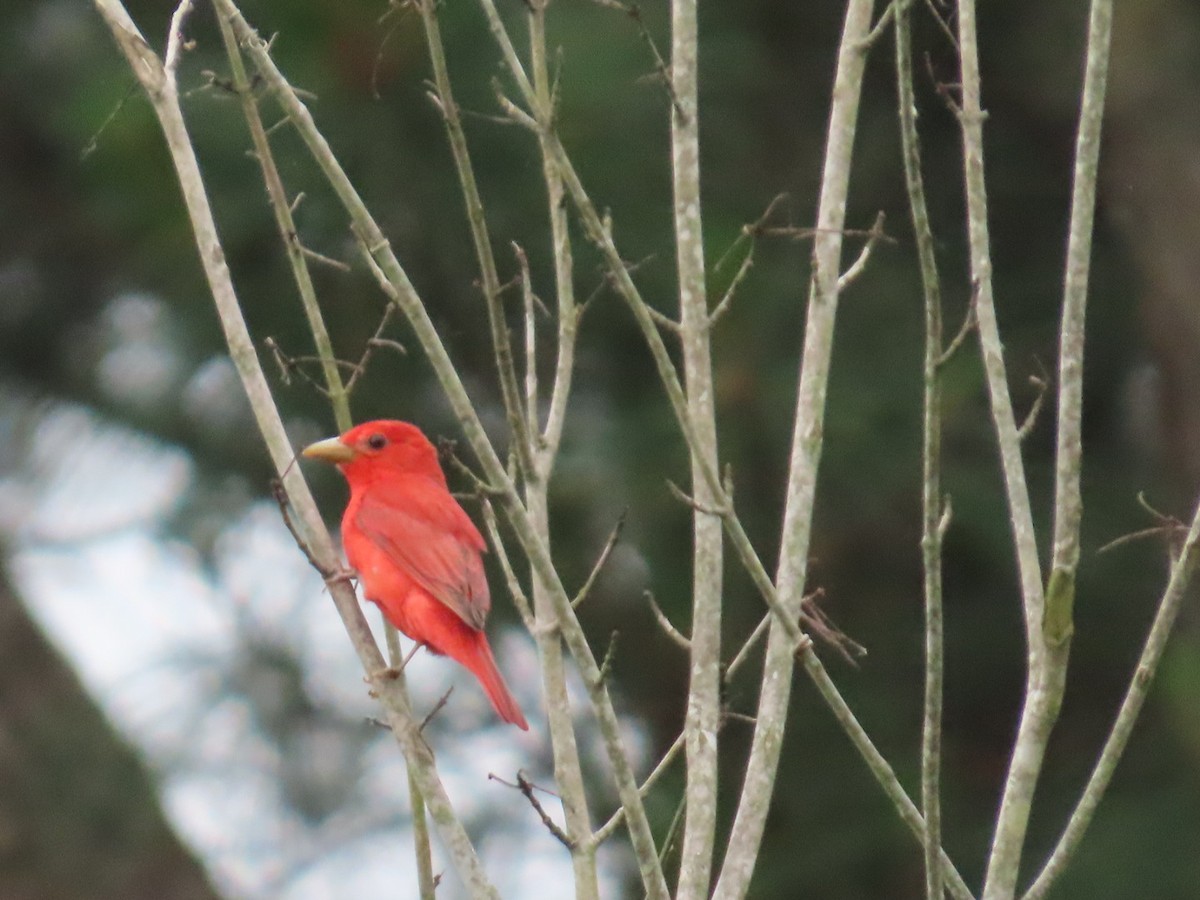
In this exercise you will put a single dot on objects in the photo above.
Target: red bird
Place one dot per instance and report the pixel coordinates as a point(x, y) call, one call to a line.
point(416, 552)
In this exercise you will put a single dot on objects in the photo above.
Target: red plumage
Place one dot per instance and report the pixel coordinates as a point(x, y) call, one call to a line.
point(417, 554)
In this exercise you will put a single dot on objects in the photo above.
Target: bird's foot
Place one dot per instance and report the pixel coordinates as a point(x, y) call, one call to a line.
point(342, 574)
point(390, 673)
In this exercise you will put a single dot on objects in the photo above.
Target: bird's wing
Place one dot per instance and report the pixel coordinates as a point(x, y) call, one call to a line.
point(424, 531)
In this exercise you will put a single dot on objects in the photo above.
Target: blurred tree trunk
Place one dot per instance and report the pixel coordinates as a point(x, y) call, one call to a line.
point(79, 816)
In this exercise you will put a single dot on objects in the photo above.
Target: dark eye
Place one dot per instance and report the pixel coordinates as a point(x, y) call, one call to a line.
point(377, 442)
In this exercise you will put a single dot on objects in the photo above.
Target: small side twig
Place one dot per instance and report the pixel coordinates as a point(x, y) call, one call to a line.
point(610, 656)
point(1042, 385)
point(520, 600)
point(375, 342)
point(874, 236)
point(662, 70)
point(968, 325)
point(605, 831)
point(605, 552)
point(664, 623)
point(1167, 526)
point(527, 788)
point(687, 499)
point(437, 707)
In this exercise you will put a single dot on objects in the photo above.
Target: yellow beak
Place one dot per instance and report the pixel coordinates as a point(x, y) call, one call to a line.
point(331, 450)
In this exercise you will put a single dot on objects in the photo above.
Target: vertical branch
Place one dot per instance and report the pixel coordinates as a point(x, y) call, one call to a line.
point(282, 208)
point(158, 80)
point(1118, 737)
point(782, 618)
point(1040, 707)
point(932, 516)
point(1068, 505)
point(564, 266)
point(1057, 624)
point(807, 439)
point(568, 770)
point(971, 118)
point(594, 227)
point(1049, 619)
point(528, 308)
point(501, 345)
point(422, 848)
point(339, 397)
point(404, 295)
point(701, 723)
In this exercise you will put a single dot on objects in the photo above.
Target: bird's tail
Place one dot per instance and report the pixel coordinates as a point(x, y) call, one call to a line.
point(483, 666)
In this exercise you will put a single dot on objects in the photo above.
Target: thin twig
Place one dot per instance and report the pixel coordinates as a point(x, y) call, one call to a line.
point(678, 639)
point(696, 505)
point(605, 552)
point(1135, 695)
point(934, 519)
point(726, 300)
point(968, 325)
point(942, 24)
point(745, 838)
point(662, 70)
point(375, 342)
point(521, 438)
point(527, 787)
point(568, 771)
point(286, 226)
point(1030, 422)
point(748, 645)
point(1044, 677)
point(160, 87)
point(664, 321)
point(860, 264)
point(605, 831)
point(322, 258)
point(520, 600)
point(595, 228)
point(748, 235)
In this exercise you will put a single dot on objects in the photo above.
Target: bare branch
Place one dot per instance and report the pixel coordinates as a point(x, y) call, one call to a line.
point(695, 504)
point(568, 773)
point(935, 518)
point(943, 25)
point(665, 322)
point(665, 624)
point(521, 438)
point(969, 324)
point(748, 645)
point(874, 236)
point(605, 552)
point(527, 787)
point(160, 88)
point(606, 830)
point(1182, 571)
point(750, 818)
point(322, 258)
point(663, 72)
point(1030, 422)
point(176, 43)
point(726, 300)
point(520, 600)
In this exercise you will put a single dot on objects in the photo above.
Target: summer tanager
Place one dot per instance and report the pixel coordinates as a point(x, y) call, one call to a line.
point(416, 552)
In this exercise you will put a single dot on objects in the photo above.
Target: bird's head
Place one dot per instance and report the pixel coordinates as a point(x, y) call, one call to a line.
point(384, 448)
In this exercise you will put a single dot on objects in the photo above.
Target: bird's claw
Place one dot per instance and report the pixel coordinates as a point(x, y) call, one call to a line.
point(342, 574)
